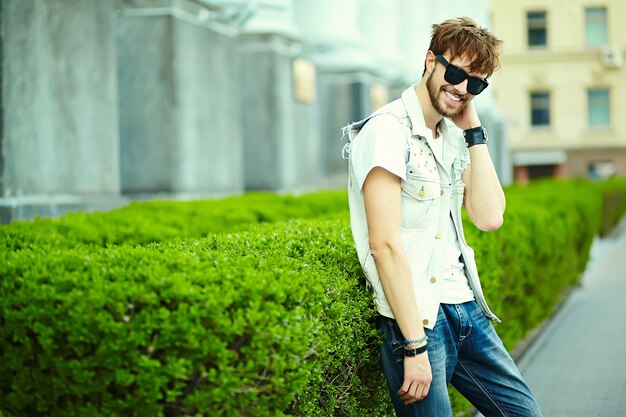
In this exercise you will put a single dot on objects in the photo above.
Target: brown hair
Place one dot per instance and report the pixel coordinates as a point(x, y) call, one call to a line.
point(463, 37)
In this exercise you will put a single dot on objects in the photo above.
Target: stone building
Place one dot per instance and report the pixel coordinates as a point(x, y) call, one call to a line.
point(104, 101)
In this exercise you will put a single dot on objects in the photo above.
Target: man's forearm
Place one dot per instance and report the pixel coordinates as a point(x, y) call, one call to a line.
point(487, 199)
point(395, 276)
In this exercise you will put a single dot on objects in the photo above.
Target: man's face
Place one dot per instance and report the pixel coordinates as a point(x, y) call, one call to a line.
point(447, 99)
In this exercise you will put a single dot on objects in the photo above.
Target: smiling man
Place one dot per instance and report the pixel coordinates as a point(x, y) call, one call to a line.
point(413, 164)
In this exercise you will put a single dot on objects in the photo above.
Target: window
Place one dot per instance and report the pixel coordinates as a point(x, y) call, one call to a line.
point(596, 29)
point(599, 170)
point(540, 108)
point(542, 171)
point(537, 29)
point(598, 107)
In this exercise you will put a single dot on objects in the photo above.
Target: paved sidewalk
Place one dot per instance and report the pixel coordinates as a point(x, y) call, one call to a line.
point(577, 365)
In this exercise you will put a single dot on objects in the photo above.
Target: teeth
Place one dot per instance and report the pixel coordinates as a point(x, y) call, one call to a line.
point(452, 97)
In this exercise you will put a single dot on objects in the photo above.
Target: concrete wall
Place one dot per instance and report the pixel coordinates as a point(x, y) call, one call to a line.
point(147, 103)
point(59, 117)
point(345, 73)
point(49, 98)
point(210, 154)
point(179, 128)
point(106, 99)
point(282, 135)
point(578, 161)
point(306, 149)
point(345, 98)
point(267, 113)
point(280, 131)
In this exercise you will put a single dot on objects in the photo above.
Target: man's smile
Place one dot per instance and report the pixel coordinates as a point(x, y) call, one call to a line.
point(454, 98)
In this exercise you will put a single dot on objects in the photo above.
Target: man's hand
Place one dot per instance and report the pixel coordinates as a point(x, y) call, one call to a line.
point(417, 378)
point(467, 118)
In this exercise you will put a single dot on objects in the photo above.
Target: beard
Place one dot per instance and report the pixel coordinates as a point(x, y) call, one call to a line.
point(439, 107)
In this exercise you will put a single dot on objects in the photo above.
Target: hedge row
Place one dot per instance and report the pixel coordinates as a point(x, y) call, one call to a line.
point(614, 203)
point(540, 251)
point(270, 321)
point(274, 320)
point(140, 223)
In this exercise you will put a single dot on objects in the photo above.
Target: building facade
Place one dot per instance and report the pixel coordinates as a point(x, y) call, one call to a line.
point(105, 101)
point(562, 85)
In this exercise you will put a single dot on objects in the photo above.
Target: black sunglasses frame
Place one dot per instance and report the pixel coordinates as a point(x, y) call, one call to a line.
point(455, 75)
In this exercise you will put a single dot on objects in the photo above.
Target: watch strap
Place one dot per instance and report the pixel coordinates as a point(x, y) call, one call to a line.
point(475, 136)
point(415, 351)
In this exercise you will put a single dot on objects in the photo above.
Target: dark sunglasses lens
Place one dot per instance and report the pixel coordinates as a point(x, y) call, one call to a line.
point(475, 86)
point(454, 75)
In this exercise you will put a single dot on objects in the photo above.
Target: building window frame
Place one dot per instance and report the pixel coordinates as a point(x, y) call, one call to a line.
point(537, 29)
point(599, 108)
point(540, 104)
point(596, 27)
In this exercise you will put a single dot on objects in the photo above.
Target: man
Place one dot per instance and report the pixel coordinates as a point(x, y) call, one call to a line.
point(412, 165)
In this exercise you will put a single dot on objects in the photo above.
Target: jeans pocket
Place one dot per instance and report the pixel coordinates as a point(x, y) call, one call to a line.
point(393, 336)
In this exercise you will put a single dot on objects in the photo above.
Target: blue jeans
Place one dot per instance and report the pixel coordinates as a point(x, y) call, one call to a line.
point(465, 350)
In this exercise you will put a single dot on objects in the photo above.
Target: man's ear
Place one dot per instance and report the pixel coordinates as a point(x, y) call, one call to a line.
point(430, 61)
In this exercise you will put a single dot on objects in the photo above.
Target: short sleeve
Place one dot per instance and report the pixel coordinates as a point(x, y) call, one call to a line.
point(382, 142)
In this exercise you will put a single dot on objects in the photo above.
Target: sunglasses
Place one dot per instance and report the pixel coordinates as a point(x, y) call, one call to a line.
point(455, 75)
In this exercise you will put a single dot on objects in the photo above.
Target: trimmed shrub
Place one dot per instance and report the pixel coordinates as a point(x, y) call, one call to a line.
point(539, 252)
point(268, 322)
point(273, 320)
point(140, 223)
point(613, 203)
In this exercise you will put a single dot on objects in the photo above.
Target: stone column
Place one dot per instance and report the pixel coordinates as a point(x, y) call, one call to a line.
point(415, 23)
point(381, 27)
point(332, 34)
point(179, 128)
point(59, 132)
point(279, 126)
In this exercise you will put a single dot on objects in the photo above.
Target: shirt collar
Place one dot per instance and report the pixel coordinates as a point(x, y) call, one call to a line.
point(418, 124)
point(414, 111)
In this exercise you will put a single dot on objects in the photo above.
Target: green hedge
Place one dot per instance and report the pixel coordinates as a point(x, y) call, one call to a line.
point(614, 203)
point(269, 321)
point(273, 320)
point(540, 251)
point(140, 223)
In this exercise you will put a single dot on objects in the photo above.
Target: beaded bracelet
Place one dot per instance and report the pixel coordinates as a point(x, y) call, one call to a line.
point(416, 341)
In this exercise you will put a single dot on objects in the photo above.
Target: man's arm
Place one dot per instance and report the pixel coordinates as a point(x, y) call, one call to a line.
point(382, 196)
point(484, 197)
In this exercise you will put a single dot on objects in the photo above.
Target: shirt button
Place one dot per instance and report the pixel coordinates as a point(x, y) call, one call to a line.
point(438, 236)
point(441, 192)
point(433, 279)
point(425, 321)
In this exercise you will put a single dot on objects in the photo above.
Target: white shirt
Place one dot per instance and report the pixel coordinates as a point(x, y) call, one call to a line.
point(456, 289)
point(396, 138)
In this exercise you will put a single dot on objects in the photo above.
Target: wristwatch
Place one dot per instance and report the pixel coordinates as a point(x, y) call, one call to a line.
point(475, 136)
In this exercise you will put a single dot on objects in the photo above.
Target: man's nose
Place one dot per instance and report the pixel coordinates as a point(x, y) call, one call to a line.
point(461, 87)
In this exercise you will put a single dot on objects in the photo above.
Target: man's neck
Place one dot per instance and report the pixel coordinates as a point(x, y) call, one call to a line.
point(431, 117)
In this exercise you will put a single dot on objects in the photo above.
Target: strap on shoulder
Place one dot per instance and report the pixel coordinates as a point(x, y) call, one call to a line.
point(351, 130)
